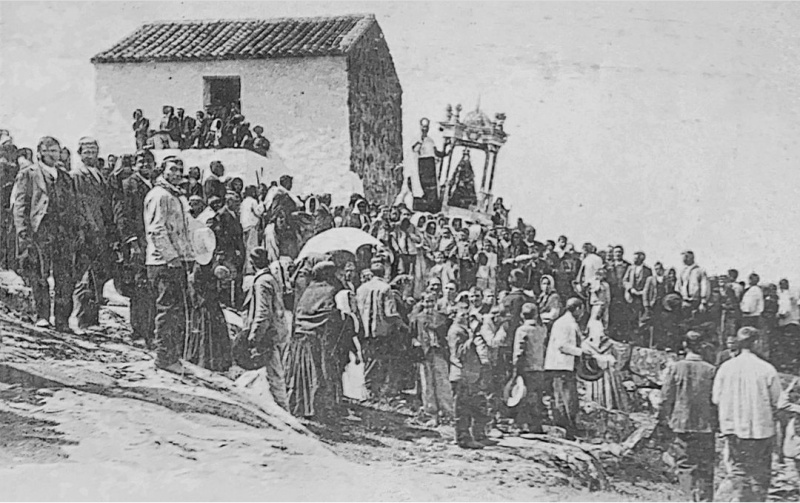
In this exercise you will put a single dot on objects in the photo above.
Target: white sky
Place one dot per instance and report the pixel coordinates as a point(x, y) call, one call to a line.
point(661, 126)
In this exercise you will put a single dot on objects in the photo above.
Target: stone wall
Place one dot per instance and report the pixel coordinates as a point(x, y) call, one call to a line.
point(376, 122)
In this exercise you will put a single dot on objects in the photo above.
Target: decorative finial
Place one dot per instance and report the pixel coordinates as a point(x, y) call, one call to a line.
point(501, 119)
point(458, 112)
point(449, 112)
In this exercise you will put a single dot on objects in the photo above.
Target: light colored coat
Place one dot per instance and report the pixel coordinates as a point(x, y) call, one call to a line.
point(692, 284)
point(166, 227)
point(746, 390)
point(564, 345)
point(31, 201)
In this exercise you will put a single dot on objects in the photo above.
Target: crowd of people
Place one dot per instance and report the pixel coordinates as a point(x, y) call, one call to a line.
point(455, 310)
point(217, 127)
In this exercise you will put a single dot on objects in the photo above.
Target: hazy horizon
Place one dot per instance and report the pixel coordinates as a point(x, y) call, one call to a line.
point(660, 126)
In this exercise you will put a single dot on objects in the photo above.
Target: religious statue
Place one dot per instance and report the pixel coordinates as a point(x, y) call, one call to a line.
point(461, 190)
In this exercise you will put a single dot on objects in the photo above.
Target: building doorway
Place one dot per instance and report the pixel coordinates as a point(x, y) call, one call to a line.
point(222, 96)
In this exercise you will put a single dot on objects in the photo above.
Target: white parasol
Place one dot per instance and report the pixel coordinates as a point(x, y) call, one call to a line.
point(339, 238)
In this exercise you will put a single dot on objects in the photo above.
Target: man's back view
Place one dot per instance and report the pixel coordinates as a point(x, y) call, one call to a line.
point(746, 390)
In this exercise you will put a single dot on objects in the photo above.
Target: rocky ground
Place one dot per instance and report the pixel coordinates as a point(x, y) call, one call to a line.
point(89, 418)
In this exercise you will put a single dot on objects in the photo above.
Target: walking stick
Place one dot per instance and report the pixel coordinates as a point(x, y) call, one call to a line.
point(186, 325)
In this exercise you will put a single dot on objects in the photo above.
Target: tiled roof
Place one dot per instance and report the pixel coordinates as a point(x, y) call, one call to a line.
point(239, 39)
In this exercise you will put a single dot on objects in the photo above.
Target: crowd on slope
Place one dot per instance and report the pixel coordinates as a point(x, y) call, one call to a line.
point(452, 309)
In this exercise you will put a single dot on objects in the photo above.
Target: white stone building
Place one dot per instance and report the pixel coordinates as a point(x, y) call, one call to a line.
point(324, 90)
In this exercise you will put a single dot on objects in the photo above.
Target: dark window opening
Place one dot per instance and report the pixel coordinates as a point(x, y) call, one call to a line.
point(222, 95)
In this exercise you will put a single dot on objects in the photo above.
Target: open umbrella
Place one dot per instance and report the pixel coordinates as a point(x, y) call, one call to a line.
point(339, 238)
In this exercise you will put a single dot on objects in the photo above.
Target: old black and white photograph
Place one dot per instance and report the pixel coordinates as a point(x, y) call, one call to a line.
point(399, 251)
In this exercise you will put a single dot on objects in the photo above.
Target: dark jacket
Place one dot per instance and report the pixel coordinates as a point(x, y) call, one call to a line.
point(129, 210)
point(230, 240)
point(32, 203)
point(529, 347)
point(686, 394)
point(96, 209)
point(469, 356)
point(214, 187)
point(513, 303)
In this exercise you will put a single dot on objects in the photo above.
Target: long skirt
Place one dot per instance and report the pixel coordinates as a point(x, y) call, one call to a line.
point(209, 344)
point(608, 391)
point(308, 385)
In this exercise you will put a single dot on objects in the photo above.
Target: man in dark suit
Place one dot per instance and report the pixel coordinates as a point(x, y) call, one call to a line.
point(95, 259)
point(45, 214)
point(129, 213)
point(640, 294)
point(619, 316)
point(213, 185)
point(230, 245)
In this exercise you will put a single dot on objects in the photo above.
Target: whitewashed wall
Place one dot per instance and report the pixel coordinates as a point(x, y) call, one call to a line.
point(300, 102)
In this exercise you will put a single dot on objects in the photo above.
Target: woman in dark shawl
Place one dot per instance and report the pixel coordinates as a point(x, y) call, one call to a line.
point(209, 344)
point(313, 374)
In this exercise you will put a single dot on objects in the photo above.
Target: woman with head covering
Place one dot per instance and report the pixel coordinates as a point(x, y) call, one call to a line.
point(549, 301)
point(427, 245)
point(447, 243)
point(209, 344)
point(313, 366)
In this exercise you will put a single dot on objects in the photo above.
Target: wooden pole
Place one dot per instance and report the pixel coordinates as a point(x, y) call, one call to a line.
point(449, 160)
point(485, 170)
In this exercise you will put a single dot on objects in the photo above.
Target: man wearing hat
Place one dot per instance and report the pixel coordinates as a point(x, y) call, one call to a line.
point(686, 409)
point(746, 390)
point(260, 144)
point(264, 324)
point(130, 222)
point(169, 255)
point(563, 350)
point(95, 259)
point(212, 185)
point(45, 217)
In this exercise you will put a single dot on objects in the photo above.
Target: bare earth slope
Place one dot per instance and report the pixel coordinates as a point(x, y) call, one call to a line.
point(89, 418)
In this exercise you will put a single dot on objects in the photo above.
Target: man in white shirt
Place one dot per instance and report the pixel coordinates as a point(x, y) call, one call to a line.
point(250, 213)
point(746, 391)
point(590, 264)
point(752, 304)
point(563, 350)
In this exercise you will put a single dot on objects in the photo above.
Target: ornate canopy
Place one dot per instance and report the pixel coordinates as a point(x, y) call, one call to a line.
point(477, 130)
